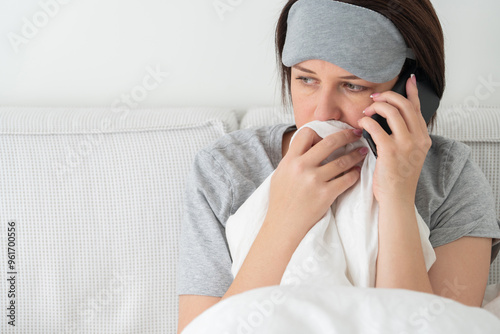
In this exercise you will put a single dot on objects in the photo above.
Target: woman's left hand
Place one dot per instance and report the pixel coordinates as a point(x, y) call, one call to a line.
point(401, 155)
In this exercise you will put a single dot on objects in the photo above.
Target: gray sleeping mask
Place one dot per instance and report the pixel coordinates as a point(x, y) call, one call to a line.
point(359, 40)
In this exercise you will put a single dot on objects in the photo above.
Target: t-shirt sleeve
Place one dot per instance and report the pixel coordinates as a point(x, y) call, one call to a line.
point(469, 207)
point(204, 265)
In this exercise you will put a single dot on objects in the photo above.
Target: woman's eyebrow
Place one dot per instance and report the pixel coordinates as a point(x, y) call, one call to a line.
point(303, 69)
point(352, 77)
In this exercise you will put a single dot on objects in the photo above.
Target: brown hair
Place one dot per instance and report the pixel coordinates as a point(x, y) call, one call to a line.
point(415, 19)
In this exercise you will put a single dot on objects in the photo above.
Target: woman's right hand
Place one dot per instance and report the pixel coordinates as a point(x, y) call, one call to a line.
point(302, 189)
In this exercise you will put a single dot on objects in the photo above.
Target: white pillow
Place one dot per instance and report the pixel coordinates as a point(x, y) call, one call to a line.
point(263, 116)
point(96, 197)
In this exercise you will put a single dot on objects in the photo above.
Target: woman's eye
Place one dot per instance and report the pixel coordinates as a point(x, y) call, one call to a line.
point(354, 88)
point(306, 80)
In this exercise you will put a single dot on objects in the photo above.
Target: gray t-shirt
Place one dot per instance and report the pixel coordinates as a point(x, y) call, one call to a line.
point(453, 197)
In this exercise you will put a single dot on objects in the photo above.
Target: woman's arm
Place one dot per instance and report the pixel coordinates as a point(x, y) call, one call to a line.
point(401, 155)
point(191, 306)
point(459, 273)
point(461, 268)
point(302, 189)
point(264, 266)
point(400, 259)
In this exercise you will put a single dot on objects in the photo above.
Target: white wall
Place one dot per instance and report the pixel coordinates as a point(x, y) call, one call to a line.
point(472, 45)
point(90, 53)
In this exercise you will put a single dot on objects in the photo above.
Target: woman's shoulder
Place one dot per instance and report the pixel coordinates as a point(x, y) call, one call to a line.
point(445, 161)
point(453, 195)
point(448, 172)
point(256, 142)
point(242, 137)
point(231, 168)
point(443, 165)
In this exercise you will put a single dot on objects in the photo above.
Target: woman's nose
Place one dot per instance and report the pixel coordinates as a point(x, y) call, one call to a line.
point(328, 108)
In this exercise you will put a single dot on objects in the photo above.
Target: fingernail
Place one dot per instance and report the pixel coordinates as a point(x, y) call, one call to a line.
point(357, 132)
point(413, 79)
point(363, 150)
point(374, 95)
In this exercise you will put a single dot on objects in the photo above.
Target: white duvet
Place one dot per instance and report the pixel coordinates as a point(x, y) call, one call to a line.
point(308, 309)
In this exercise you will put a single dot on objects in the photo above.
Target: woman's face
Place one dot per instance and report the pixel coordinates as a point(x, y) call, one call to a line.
point(323, 91)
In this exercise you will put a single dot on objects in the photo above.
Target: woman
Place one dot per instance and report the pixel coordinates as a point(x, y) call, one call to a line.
point(413, 168)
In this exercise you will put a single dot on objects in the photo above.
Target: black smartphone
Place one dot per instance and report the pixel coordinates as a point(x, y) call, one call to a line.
point(429, 100)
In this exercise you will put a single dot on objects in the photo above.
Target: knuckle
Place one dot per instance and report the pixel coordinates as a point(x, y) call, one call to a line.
point(351, 177)
point(428, 143)
point(342, 163)
point(409, 104)
point(312, 179)
point(298, 166)
point(304, 135)
point(323, 193)
point(348, 135)
point(331, 140)
point(305, 132)
point(392, 111)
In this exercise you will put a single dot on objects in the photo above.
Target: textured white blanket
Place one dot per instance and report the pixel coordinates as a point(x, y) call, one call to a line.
point(339, 309)
point(341, 249)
